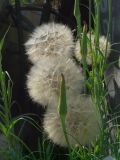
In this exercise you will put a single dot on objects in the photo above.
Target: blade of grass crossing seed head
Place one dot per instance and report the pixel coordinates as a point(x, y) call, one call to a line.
point(78, 17)
point(84, 53)
point(62, 108)
point(84, 43)
point(109, 27)
point(62, 99)
point(97, 21)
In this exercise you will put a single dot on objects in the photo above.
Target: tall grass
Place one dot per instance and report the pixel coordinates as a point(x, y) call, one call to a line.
point(108, 142)
point(12, 144)
point(6, 123)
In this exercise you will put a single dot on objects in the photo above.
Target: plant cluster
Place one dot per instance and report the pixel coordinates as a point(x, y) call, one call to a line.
point(91, 50)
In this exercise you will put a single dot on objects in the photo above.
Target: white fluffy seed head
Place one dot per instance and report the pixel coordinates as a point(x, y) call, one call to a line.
point(102, 47)
point(43, 81)
point(43, 84)
point(51, 40)
point(50, 50)
point(82, 122)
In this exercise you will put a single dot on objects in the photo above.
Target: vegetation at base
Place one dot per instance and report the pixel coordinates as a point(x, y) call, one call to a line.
point(108, 142)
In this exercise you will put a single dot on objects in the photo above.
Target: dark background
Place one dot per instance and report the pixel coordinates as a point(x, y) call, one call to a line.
point(113, 72)
point(16, 63)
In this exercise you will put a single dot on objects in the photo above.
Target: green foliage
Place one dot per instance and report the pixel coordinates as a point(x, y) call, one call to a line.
point(12, 143)
point(62, 109)
point(108, 142)
point(45, 149)
point(78, 17)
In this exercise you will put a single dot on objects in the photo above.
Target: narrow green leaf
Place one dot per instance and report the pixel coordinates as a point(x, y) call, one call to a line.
point(1, 46)
point(2, 128)
point(97, 23)
point(84, 43)
point(78, 17)
point(62, 107)
point(12, 124)
point(84, 54)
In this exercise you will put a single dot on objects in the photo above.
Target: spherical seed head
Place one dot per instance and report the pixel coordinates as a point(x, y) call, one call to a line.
point(102, 47)
point(51, 40)
point(43, 84)
point(82, 122)
point(43, 80)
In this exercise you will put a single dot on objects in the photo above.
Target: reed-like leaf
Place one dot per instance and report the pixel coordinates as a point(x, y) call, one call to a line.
point(62, 107)
point(78, 17)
